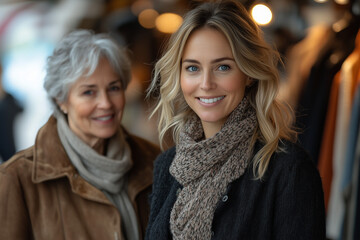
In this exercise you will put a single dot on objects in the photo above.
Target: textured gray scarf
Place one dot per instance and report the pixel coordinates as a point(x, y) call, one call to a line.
point(107, 173)
point(206, 167)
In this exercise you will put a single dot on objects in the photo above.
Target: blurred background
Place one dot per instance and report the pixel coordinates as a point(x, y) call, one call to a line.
point(29, 31)
point(314, 38)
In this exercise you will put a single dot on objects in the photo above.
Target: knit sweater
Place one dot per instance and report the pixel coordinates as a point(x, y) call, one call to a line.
point(287, 204)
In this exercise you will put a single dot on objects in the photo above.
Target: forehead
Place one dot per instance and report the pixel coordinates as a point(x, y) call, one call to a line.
point(207, 42)
point(103, 74)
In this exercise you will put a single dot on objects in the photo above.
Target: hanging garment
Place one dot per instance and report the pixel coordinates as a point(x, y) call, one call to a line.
point(349, 175)
point(348, 81)
point(351, 168)
point(313, 103)
point(301, 58)
point(356, 190)
point(327, 144)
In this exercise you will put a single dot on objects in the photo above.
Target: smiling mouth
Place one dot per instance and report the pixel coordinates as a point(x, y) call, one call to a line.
point(104, 118)
point(211, 100)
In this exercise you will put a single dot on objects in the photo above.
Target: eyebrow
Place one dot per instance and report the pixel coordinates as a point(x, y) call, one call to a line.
point(213, 61)
point(115, 81)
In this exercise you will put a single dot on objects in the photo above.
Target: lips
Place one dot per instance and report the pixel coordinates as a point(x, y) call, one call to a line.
point(211, 100)
point(104, 118)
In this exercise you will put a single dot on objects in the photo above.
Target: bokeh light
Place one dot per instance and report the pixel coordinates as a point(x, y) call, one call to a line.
point(168, 22)
point(261, 14)
point(147, 18)
point(342, 2)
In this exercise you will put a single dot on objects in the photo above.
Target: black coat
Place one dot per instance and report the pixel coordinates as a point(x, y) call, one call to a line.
point(287, 204)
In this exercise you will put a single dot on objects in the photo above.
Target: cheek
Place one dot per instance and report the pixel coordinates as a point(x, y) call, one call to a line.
point(186, 85)
point(82, 110)
point(235, 85)
point(237, 88)
point(120, 102)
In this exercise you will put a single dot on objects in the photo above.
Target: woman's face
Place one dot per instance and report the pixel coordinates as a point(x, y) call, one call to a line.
point(95, 104)
point(212, 83)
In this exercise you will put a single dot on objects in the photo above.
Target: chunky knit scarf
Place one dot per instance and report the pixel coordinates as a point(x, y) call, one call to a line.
point(206, 167)
point(107, 173)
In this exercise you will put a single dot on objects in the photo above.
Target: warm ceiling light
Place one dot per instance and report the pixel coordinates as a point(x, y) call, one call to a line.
point(261, 14)
point(320, 1)
point(168, 22)
point(342, 2)
point(147, 18)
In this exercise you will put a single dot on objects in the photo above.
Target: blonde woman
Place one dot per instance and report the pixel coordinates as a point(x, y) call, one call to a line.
point(235, 172)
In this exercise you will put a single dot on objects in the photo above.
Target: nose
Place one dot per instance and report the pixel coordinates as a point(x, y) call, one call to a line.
point(207, 81)
point(104, 101)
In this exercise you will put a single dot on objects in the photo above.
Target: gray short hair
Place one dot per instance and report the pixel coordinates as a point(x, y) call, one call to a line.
point(78, 55)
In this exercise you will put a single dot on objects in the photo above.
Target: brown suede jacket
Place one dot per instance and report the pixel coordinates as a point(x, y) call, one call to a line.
point(42, 196)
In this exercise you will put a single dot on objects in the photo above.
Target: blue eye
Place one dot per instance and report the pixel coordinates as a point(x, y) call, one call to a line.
point(224, 67)
point(192, 69)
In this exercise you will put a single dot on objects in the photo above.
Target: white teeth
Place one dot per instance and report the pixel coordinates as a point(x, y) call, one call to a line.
point(104, 118)
point(211, 100)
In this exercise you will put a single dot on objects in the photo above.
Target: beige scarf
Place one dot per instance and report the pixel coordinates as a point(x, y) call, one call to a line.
point(206, 167)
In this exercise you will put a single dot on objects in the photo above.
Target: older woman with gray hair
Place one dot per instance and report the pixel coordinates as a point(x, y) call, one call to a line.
point(85, 177)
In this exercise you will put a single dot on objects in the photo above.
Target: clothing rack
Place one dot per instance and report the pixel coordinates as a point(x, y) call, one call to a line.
point(326, 73)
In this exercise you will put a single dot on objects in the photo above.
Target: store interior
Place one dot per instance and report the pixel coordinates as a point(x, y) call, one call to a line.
point(319, 42)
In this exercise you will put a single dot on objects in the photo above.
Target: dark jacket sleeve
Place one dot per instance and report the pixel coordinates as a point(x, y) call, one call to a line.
point(299, 207)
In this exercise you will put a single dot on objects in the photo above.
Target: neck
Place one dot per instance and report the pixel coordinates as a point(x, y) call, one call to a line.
point(100, 146)
point(210, 129)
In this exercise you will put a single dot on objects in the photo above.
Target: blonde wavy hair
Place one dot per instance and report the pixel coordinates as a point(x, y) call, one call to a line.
point(253, 56)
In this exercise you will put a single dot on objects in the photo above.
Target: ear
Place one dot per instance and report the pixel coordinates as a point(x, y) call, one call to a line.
point(62, 106)
point(249, 81)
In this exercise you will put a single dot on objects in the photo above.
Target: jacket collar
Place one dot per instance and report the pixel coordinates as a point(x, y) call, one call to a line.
point(50, 158)
point(51, 162)
point(143, 154)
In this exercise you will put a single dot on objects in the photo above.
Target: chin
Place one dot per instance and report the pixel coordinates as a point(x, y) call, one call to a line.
point(210, 119)
point(106, 134)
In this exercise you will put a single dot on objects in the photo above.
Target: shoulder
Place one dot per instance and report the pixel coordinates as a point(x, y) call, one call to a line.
point(21, 157)
point(292, 155)
point(292, 162)
point(143, 147)
point(165, 159)
point(19, 166)
point(163, 162)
